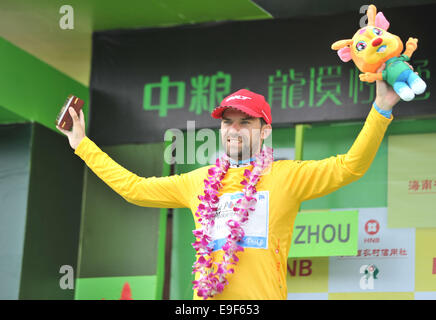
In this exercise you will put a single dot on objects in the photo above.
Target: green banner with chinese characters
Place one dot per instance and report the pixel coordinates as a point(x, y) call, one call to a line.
point(145, 82)
point(325, 233)
point(412, 181)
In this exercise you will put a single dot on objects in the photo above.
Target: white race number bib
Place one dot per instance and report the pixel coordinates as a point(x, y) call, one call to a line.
point(256, 228)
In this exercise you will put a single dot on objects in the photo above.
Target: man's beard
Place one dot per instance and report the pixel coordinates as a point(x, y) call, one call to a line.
point(246, 151)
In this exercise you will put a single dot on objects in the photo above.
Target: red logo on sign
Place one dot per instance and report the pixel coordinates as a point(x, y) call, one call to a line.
point(372, 227)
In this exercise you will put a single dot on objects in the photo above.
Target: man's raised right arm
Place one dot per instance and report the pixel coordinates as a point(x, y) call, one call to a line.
point(161, 192)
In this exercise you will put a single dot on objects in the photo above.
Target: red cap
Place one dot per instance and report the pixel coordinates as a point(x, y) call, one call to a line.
point(246, 101)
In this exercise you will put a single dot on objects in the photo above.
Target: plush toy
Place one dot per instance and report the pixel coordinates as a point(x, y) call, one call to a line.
point(372, 46)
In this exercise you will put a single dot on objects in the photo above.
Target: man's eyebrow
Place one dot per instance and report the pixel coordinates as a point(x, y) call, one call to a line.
point(246, 118)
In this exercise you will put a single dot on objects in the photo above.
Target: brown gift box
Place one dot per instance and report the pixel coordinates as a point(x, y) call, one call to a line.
point(64, 119)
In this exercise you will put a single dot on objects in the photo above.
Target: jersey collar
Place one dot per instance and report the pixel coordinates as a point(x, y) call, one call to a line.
point(241, 163)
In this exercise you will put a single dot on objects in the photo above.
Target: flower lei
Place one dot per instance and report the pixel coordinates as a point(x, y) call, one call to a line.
point(211, 283)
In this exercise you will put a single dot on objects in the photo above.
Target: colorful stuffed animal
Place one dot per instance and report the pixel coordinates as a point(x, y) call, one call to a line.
point(372, 46)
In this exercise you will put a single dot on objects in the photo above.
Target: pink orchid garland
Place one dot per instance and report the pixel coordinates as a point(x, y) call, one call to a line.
point(210, 283)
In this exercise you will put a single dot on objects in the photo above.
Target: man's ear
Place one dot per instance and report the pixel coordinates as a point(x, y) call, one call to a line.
point(265, 131)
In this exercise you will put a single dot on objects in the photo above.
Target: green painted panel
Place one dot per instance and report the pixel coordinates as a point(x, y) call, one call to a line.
point(15, 156)
point(32, 89)
point(182, 255)
point(110, 288)
point(7, 116)
point(119, 238)
point(111, 14)
point(156, 13)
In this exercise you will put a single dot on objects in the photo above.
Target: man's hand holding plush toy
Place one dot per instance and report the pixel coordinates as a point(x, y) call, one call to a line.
point(377, 54)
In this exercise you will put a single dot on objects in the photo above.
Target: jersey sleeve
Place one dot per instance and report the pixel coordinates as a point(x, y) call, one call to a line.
point(161, 192)
point(311, 179)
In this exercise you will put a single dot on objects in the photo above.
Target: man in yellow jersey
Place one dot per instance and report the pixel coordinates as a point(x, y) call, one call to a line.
point(260, 270)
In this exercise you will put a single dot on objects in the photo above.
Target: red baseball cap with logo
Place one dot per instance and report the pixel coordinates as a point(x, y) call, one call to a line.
point(246, 101)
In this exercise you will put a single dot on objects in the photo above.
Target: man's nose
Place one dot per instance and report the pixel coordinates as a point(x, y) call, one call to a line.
point(235, 126)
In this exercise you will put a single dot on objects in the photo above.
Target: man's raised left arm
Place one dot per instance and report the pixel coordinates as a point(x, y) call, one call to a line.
point(316, 178)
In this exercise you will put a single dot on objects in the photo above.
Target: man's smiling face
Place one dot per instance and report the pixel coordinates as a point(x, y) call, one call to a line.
point(242, 134)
